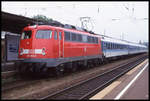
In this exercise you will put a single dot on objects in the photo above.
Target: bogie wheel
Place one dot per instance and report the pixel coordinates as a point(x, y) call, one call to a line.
point(74, 67)
point(89, 65)
point(21, 70)
point(59, 70)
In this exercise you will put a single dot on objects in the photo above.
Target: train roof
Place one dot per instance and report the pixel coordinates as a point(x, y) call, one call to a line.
point(65, 29)
point(119, 41)
point(113, 40)
point(103, 38)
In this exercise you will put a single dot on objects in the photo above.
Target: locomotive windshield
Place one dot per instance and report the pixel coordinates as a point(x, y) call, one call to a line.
point(44, 34)
point(26, 34)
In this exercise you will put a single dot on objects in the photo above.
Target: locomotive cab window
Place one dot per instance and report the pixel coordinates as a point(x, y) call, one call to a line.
point(67, 36)
point(44, 34)
point(26, 34)
point(55, 35)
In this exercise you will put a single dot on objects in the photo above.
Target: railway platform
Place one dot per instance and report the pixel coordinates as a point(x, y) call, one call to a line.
point(133, 85)
point(7, 66)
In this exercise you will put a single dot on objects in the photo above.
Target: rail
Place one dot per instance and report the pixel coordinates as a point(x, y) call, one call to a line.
point(86, 89)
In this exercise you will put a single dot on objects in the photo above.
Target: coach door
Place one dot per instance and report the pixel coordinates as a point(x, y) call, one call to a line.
point(61, 44)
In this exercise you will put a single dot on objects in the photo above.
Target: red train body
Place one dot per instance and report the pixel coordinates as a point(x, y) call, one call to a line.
point(52, 46)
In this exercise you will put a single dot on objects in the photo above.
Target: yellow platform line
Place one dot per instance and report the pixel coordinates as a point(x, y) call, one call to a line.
point(108, 89)
point(105, 91)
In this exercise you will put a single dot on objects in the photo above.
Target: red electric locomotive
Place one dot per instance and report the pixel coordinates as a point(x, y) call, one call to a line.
point(45, 48)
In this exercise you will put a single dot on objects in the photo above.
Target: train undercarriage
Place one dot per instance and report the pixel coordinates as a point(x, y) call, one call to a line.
point(36, 68)
point(40, 68)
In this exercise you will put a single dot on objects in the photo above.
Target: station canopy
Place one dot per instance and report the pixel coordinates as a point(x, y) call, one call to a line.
point(14, 23)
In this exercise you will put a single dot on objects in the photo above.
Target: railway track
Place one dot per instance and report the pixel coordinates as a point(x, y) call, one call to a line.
point(86, 89)
point(19, 84)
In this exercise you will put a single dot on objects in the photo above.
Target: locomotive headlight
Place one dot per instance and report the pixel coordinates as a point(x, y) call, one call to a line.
point(43, 51)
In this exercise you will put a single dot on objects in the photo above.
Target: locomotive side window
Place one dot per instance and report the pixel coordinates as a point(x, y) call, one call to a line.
point(79, 38)
point(55, 35)
point(60, 35)
point(74, 36)
point(89, 39)
point(44, 34)
point(93, 39)
point(84, 38)
point(96, 40)
point(67, 36)
point(26, 34)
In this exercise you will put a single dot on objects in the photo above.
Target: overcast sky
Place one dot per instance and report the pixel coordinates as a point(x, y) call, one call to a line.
point(130, 25)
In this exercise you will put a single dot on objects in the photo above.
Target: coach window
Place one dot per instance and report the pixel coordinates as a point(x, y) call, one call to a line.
point(116, 46)
point(103, 45)
point(67, 36)
point(55, 35)
point(107, 45)
point(44, 34)
point(110, 45)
